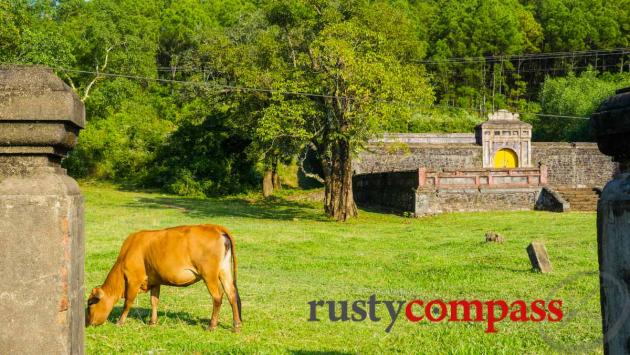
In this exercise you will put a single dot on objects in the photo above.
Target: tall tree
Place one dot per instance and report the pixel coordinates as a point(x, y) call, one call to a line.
point(358, 59)
point(110, 36)
point(323, 73)
point(479, 28)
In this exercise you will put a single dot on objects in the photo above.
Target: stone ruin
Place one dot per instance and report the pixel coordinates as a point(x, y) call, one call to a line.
point(496, 168)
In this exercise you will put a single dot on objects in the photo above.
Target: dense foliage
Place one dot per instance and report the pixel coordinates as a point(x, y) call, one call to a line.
point(211, 96)
point(574, 95)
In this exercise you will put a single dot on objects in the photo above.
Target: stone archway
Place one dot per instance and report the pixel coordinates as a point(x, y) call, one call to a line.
point(503, 129)
point(505, 158)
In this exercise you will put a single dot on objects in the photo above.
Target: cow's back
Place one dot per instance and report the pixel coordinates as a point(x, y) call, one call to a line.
point(174, 256)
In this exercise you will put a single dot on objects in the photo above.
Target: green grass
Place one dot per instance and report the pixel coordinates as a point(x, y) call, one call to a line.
point(290, 254)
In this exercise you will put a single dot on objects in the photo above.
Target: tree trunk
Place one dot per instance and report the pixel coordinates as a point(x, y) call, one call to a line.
point(276, 181)
point(267, 185)
point(327, 183)
point(341, 204)
point(275, 177)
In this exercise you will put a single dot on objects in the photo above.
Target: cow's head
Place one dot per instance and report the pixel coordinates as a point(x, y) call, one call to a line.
point(99, 307)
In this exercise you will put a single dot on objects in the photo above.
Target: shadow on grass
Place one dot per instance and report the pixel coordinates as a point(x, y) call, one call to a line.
point(271, 208)
point(143, 314)
point(315, 352)
point(383, 210)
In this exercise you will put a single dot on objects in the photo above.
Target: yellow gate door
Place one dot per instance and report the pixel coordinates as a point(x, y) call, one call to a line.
point(505, 158)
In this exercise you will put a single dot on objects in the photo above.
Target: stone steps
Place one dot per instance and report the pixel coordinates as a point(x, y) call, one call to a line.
point(580, 199)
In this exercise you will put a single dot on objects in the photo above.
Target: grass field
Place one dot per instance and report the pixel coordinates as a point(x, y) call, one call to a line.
point(289, 254)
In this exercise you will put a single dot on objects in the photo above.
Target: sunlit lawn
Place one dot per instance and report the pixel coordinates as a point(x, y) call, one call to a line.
point(289, 254)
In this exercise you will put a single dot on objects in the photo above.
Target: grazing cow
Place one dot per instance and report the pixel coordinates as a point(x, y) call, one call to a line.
point(178, 256)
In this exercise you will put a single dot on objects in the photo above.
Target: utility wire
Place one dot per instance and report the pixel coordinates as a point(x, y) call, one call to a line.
point(560, 69)
point(533, 56)
point(473, 60)
point(232, 88)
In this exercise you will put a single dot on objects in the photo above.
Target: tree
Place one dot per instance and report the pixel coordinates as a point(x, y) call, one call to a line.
point(480, 28)
point(325, 74)
point(356, 58)
point(574, 95)
point(109, 36)
point(30, 34)
point(368, 81)
point(580, 25)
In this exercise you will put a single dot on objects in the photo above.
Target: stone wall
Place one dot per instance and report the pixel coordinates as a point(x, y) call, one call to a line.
point(399, 157)
point(431, 138)
point(569, 164)
point(400, 192)
point(432, 201)
point(574, 164)
point(387, 174)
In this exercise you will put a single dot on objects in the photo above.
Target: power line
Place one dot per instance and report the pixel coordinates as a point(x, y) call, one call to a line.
point(560, 69)
point(218, 86)
point(533, 56)
point(231, 88)
point(557, 116)
point(201, 70)
point(474, 60)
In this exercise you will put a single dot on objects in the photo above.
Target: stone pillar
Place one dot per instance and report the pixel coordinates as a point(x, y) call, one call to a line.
point(422, 177)
point(544, 171)
point(611, 125)
point(41, 215)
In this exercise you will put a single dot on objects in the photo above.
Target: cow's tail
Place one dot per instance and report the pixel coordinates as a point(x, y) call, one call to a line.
point(229, 245)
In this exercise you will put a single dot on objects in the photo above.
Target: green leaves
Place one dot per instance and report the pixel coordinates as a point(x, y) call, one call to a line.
point(574, 96)
point(580, 25)
point(357, 65)
point(271, 78)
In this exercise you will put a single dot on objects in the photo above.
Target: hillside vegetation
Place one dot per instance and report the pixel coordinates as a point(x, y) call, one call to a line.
point(205, 98)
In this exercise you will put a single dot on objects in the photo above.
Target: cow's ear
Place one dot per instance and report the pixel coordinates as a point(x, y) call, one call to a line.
point(96, 295)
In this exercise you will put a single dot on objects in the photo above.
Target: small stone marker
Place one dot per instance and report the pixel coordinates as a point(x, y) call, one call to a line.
point(494, 237)
point(538, 257)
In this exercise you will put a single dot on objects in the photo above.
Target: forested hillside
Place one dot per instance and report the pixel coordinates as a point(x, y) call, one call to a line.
point(210, 97)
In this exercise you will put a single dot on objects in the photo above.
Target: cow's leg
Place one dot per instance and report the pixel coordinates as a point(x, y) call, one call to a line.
point(131, 292)
point(232, 294)
point(217, 296)
point(155, 298)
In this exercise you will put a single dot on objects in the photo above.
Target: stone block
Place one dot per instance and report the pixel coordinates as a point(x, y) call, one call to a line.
point(551, 200)
point(538, 257)
point(493, 237)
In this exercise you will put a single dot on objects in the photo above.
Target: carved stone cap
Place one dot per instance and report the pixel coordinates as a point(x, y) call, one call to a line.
point(611, 126)
point(503, 118)
point(503, 115)
point(39, 113)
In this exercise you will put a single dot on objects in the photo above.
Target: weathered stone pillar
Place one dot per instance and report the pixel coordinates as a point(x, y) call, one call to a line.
point(41, 215)
point(611, 125)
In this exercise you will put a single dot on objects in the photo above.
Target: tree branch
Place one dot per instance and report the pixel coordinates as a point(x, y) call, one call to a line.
point(307, 174)
point(98, 76)
point(74, 88)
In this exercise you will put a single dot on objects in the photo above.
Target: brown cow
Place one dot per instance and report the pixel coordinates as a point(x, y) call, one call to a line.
point(178, 256)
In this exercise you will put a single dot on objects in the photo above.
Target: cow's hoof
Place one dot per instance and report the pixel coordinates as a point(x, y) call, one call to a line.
point(236, 329)
point(151, 323)
point(120, 324)
point(211, 328)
